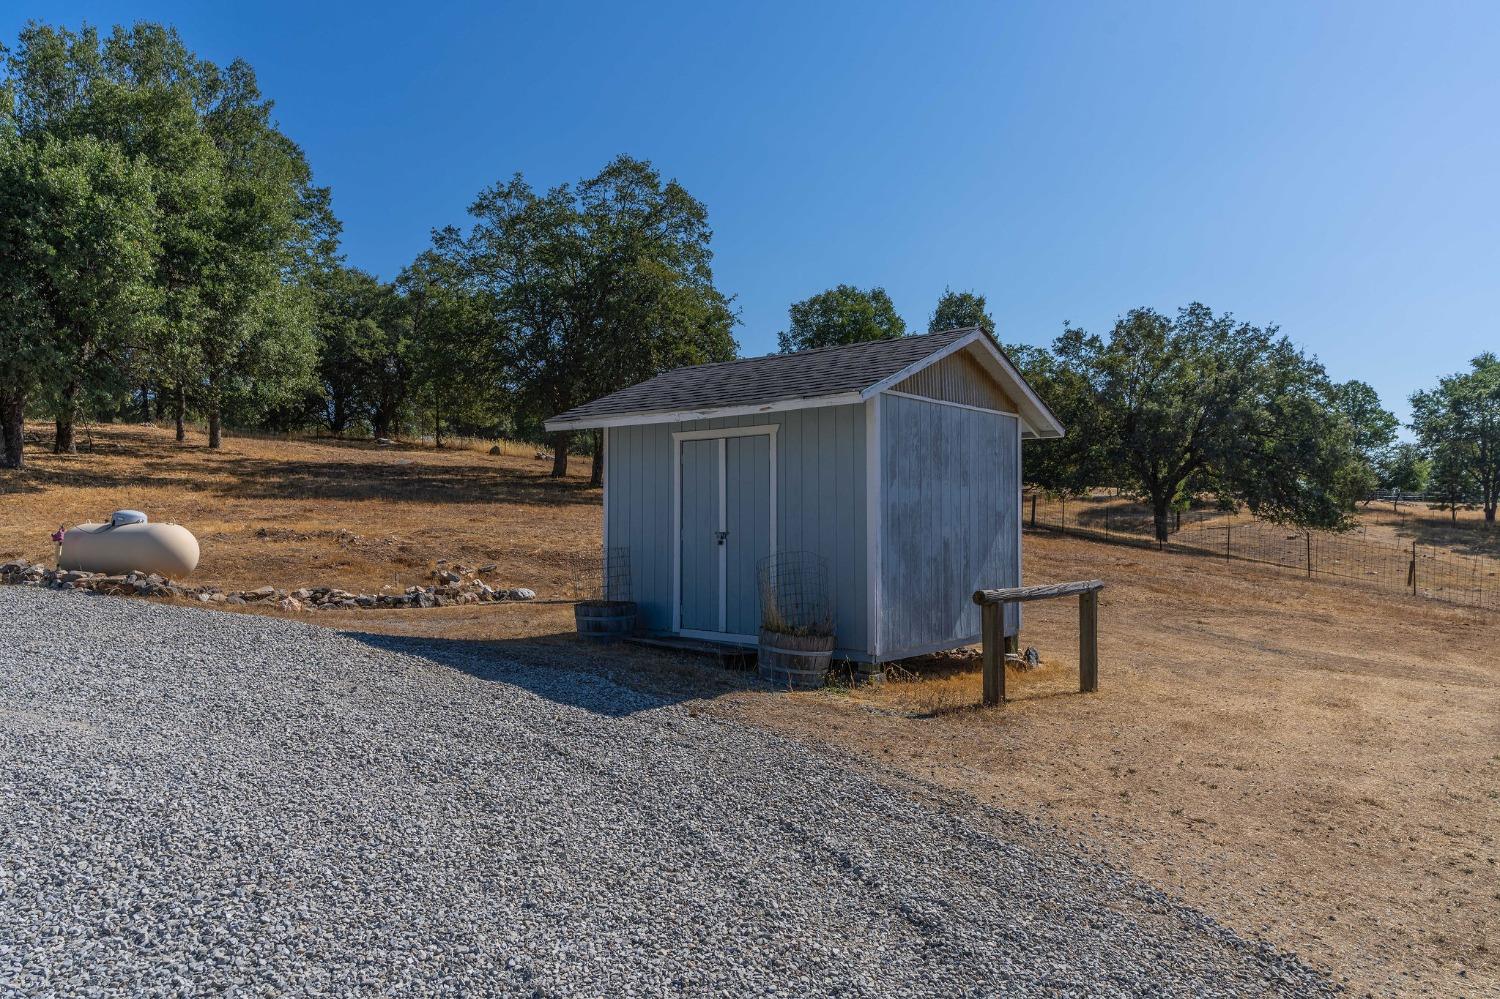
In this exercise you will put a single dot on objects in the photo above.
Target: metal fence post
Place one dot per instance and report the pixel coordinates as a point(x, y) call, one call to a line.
point(1309, 554)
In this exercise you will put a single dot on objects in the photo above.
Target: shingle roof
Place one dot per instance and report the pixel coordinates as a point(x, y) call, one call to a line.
point(755, 381)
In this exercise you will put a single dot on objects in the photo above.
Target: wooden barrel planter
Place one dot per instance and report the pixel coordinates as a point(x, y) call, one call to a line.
point(604, 620)
point(796, 662)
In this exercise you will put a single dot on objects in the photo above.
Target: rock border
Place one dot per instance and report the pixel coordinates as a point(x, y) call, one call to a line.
point(451, 587)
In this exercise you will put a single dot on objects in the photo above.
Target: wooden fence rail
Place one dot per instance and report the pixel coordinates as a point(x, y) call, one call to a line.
point(992, 611)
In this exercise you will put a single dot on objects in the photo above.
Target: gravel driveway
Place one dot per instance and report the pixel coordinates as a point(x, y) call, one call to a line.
point(199, 803)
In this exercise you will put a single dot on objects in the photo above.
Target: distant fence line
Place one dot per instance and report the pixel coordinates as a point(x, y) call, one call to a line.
point(1438, 574)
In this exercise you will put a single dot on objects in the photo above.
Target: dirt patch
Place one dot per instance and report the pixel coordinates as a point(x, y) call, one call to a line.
point(1309, 762)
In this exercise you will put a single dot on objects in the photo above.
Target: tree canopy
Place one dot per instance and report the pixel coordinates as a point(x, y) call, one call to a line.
point(1200, 403)
point(1404, 469)
point(592, 287)
point(959, 309)
point(230, 211)
point(840, 316)
point(1458, 423)
point(1373, 427)
point(76, 245)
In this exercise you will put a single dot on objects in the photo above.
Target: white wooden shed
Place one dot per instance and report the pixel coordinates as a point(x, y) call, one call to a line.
point(898, 461)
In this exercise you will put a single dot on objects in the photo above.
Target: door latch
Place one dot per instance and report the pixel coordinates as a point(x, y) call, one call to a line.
point(721, 536)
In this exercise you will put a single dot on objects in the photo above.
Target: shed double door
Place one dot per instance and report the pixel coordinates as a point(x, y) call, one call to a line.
point(726, 529)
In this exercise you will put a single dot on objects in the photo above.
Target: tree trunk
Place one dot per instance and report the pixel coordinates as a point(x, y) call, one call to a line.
point(560, 442)
point(179, 403)
point(13, 416)
point(215, 428)
point(596, 474)
point(62, 439)
point(67, 412)
point(380, 424)
point(145, 403)
point(1159, 511)
point(1489, 514)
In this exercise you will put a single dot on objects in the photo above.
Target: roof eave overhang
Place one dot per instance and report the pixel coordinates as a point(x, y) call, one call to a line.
point(1038, 422)
point(710, 413)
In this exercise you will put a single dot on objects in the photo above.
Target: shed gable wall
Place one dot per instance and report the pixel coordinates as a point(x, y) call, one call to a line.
point(958, 378)
point(820, 505)
point(950, 521)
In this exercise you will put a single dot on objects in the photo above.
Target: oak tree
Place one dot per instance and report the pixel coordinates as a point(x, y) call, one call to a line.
point(840, 316)
point(1458, 422)
point(958, 310)
point(1201, 403)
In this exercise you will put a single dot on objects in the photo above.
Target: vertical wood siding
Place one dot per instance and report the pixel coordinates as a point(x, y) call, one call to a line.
point(820, 503)
point(700, 520)
point(951, 505)
point(958, 378)
point(748, 491)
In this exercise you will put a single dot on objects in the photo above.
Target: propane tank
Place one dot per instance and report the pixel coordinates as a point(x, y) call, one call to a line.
point(129, 542)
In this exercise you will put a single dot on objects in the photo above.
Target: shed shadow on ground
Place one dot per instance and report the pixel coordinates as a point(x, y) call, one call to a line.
point(613, 681)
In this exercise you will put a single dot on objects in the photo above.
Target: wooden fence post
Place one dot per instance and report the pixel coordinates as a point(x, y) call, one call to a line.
point(992, 618)
point(1088, 641)
point(1412, 572)
point(992, 605)
point(1227, 532)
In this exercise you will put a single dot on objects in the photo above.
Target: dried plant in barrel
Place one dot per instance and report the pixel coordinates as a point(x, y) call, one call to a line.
point(796, 619)
point(605, 610)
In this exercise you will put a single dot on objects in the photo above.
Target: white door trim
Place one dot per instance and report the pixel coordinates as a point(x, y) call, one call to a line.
point(874, 531)
point(769, 430)
point(723, 527)
point(696, 435)
point(604, 443)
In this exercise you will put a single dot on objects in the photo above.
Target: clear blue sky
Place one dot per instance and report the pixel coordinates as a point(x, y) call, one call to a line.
point(1334, 168)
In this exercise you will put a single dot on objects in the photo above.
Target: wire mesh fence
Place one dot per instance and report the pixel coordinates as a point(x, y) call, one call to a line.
point(794, 593)
point(603, 576)
point(1423, 571)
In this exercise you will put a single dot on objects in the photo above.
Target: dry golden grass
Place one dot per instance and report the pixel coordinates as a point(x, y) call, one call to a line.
point(1467, 534)
point(1311, 763)
point(1379, 523)
point(1315, 763)
point(317, 512)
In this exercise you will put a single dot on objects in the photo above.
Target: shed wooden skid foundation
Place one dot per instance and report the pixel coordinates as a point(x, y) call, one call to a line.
point(898, 464)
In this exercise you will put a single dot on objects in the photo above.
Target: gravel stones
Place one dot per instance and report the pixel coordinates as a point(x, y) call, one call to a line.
point(206, 804)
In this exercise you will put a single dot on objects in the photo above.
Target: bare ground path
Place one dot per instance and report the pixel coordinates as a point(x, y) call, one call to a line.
point(196, 801)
